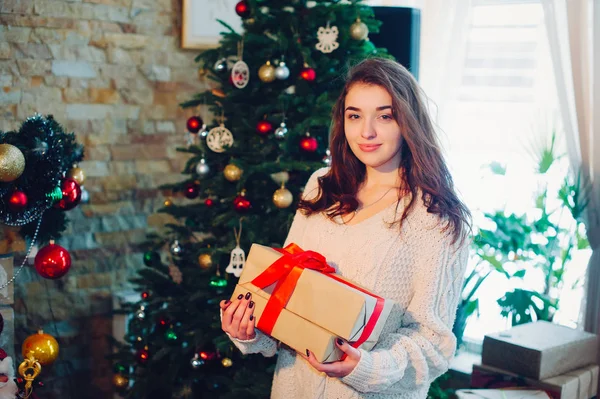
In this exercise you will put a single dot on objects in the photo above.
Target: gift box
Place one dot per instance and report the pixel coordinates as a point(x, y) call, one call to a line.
point(539, 350)
point(300, 301)
point(576, 384)
point(500, 394)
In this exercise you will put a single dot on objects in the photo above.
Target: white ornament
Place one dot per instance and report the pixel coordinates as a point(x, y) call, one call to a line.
point(327, 39)
point(240, 74)
point(280, 177)
point(219, 138)
point(236, 261)
point(8, 389)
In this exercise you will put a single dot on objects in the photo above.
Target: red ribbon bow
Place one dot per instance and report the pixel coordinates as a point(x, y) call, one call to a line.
point(286, 271)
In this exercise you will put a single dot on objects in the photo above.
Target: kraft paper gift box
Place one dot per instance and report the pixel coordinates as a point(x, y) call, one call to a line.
point(576, 384)
point(302, 303)
point(539, 350)
point(499, 394)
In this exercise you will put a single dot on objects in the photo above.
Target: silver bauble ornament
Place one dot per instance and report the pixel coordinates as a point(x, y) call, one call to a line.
point(202, 168)
point(140, 314)
point(176, 248)
point(281, 131)
point(196, 362)
point(203, 131)
point(282, 72)
point(221, 65)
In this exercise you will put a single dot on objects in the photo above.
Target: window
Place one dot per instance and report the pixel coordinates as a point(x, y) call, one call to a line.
point(506, 102)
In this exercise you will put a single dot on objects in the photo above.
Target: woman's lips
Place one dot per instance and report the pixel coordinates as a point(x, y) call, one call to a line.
point(368, 147)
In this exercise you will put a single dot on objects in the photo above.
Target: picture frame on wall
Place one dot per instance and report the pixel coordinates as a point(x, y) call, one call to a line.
point(200, 28)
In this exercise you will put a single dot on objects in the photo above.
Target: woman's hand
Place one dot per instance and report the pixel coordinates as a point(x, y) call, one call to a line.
point(336, 369)
point(238, 317)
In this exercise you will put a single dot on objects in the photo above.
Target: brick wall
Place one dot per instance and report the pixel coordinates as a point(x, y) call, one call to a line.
point(112, 72)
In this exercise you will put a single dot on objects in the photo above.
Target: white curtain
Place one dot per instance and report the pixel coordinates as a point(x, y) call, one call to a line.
point(444, 29)
point(573, 28)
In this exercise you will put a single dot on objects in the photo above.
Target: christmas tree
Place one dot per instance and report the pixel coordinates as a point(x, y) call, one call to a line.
point(39, 181)
point(270, 89)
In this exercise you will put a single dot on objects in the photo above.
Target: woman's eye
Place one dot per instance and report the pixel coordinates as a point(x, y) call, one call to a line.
point(353, 116)
point(387, 117)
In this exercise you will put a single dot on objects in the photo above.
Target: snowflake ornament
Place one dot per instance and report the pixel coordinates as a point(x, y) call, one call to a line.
point(219, 139)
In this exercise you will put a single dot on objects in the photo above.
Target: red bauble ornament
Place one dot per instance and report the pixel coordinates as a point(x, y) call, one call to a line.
point(209, 202)
point(264, 127)
point(241, 204)
point(194, 124)
point(192, 190)
point(242, 9)
point(52, 261)
point(308, 74)
point(17, 201)
point(71, 192)
point(142, 355)
point(145, 295)
point(308, 144)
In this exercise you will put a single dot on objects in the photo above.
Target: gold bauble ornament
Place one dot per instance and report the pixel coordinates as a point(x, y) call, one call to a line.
point(76, 173)
point(120, 381)
point(358, 30)
point(168, 202)
point(282, 198)
point(227, 362)
point(12, 162)
point(43, 347)
point(232, 172)
point(205, 261)
point(266, 73)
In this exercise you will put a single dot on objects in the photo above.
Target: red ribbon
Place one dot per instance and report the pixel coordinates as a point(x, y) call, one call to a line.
point(286, 271)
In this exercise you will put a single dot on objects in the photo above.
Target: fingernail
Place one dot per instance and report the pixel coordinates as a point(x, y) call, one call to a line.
point(248, 295)
point(227, 302)
point(240, 296)
point(307, 353)
point(251, 304)
point(251, 317)
point(340, 342)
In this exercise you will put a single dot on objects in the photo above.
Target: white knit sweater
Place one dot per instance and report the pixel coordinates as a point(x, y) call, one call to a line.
point(417, 267)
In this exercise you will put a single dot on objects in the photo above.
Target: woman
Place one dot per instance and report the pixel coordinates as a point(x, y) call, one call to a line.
point(387, 217)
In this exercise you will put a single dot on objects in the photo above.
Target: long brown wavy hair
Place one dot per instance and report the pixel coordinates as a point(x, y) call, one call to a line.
point(422, 165)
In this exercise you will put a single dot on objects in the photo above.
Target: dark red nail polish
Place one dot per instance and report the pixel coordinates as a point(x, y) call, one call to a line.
point(307, 353)
point(240, 296)
point(251, 304)
point(251, 317)
point(227, 302)
point(248, 295)
point(340, 342)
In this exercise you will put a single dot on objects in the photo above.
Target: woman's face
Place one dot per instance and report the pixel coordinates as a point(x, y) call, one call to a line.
point(370, 128)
